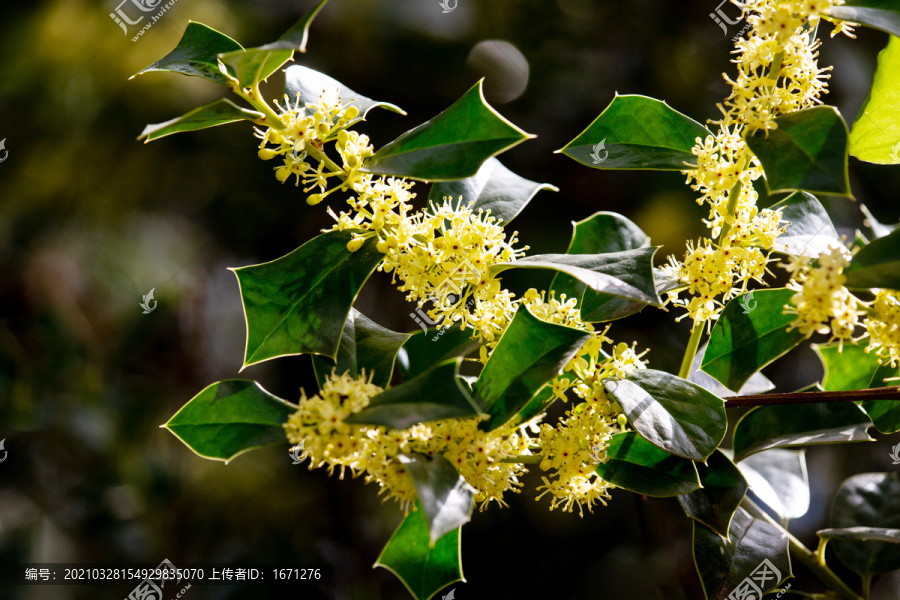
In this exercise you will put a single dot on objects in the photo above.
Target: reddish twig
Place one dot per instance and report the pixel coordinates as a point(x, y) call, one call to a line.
point(883, 393)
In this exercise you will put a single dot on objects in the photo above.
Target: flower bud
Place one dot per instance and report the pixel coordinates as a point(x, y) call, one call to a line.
point(266, 153)
point(351, 113)
point(282, 173)
point(313, 199)
point(343, 137)
point(355, 244)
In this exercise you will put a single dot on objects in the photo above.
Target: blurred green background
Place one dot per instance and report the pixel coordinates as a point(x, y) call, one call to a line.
point(91, 220)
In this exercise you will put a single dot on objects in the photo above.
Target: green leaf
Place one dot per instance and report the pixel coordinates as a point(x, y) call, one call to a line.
point(196, 54)
point(757, 384)
point(436, 394)
point(494, 188)
point(779, 478)
point(878, 14)
point(808, 152)
point(852, 368)
point(298, 303)
point(876, 265)
point(879, 229)
point(867, 500)
point(229, 418)
point(310, 86)
point(452, 145)
point(875, 136)
point(637, 132)
point(723, 489)
point(445, 497)
point(627, 274)
point(424, 569)
point(742, 343)
point(676, 415)
point(786, 425)
point(636, 465)
point(810, 231)
point(530, 354)
point(256, 64)
point(220, 112)
point(754, 550)
point(424, 349)
point(365, 345)
point(881, 534)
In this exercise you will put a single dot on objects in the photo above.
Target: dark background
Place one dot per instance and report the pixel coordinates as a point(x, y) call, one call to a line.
point(91, 220)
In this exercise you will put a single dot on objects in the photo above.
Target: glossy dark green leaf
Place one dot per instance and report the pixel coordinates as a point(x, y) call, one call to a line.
point(229, 418)
point(636, 465)
point(875, 136)
point(423, 569)
point(196, 54)
point(637, 132)
point(538, 404)
point(757, 384)
point(867, 500)
point(742, 343)
point(878, 14)
point(879, 229)
point(311, 86)
point(452, 145)
point(494, 188)
point(810, 231)
point(680, 417)
point(530, 354)
point(220, 112)
point(298, 303)
point(808, 152)
point(365, 345)
point(424, 349)
point(779, 478)
point(253, 65)
point(881, 534)
point(876, 265)
point(787, 425)
point(445, 497)
point(753, 559)
point(434, 395)
point(627, 274)
point(723, 489)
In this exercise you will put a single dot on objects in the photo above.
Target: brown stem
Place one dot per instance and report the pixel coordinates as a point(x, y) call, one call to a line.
point(884, 393)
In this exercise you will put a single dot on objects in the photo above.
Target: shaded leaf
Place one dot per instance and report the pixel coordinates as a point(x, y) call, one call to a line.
point(445, 497)
point(298, 303)
point(779, 478)
point(723, 489)
point(881, 534)
point(452, 145)
point(229, 418)
point(757, 384)
point(876, 265)
point(875, 137)
point(220, 112)
point(867, 500)
point(879, 230)
point(311, 86)
point(196, 54)
point(810, 232)
point(636, 465)
point(424, 349)
point(878, 14)
point(637, 132)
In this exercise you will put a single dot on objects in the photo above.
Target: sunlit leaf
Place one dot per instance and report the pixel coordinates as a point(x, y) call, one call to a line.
point(638, 466)
point(196, 54)
point(220, 112)
point(445, 497)
point(779, 478)
point(810, 231)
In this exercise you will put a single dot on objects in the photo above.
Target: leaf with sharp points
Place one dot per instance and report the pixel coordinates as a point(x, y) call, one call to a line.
point(423, 569)
point(216, 113)
point(810, 231)
point(680, 417)
point(494, 188)
point(636, 465)
point(424, 349)
point(196, 54)
point(779, 478)
point(229, 418)
point(297, 304)
point(878, 14)
point(723, 490)
point(530, 354)
point(445, 497)
point(808, 152)
point(296, 37)
point(434, 395)
point(875, 137)
point(312, 86)
point(742, 343)
point(627, 274)
point(876, 265)
point(452, 145)
point(867, 500)
point(787, 425)
point(637, 132)
point(752, 544)
point(365, 345)
point(757, 384)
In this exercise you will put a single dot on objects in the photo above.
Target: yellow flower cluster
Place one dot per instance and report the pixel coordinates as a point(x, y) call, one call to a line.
point(883, 327)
